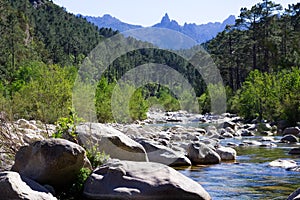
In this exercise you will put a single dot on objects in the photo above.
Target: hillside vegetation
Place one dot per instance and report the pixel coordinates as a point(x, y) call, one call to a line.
point(259, 58)
point(42, 47)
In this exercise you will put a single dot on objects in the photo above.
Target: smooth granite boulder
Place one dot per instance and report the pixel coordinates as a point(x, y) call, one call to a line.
point(14, 187)
point(200, 153)
point(53, 161)
point(111, 141)
point(162, 154)
point(141, 180)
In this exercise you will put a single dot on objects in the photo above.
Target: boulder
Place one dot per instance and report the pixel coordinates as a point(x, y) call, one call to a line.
point(268, 145)
point(266, 133)
point(292, 131)
point(212, 134)
point(229, 124)
point(200, 153)
point(111, 141)
point(246, 133)
point(141, 180)
point(13, 186)
point(267, 139)
point(231, 144)
point(211, 143)
point(201, 131)
point(295, 151)
point(289, 139)
point(294, 169)
point(227, 135)
point(226, 153)
point(295, 195)
point(283, 163)
point(162, 154)
point(229, 130)
point(53, 161)
point(252, 142)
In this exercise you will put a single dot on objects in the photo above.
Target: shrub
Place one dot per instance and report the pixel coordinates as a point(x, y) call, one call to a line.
point(95, 157)
point(66, 126)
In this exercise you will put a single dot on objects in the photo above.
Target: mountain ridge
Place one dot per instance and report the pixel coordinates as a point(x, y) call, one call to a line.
point(200, 33)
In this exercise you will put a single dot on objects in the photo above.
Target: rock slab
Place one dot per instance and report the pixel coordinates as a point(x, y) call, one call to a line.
point(111, 141)
point(141, 180)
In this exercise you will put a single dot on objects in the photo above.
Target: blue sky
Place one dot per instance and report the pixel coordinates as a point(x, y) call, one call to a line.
point(149, 12)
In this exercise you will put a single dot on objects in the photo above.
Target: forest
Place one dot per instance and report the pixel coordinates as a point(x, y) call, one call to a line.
point(42, 47)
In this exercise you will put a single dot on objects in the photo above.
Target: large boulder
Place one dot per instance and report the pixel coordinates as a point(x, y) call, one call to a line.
point(292, 131)
point(295, 151)
point(200, 153)
point(162, 154)
point(141, 180)
point(245, 133)
point(13, 186)
point(226, 153)
point(229, 124)
point(111, 141)
point(283, 163)
point(289, 139)
point(53, 161)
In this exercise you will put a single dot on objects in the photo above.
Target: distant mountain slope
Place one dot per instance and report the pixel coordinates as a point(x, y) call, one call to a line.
point(108, 21)
point(200, 33)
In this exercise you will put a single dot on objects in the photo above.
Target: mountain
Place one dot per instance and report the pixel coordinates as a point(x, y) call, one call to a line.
point(199, 33)
point(108, 21)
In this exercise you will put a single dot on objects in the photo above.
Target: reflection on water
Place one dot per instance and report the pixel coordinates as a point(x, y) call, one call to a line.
point(249, 177)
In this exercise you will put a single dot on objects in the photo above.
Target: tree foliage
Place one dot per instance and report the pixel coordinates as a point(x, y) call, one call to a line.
point(270, 96)
point(264, 37)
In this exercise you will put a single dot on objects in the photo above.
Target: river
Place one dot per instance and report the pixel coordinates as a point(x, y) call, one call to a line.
point(249, 177)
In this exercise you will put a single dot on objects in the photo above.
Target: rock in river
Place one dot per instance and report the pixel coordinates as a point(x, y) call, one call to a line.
point(292, 131)
point(283, 163)
point(289, 139)
point(111, 141)
point(141, 180)
point(162, 154)
point(226, 153)
point(200, 153)
point(295, 151)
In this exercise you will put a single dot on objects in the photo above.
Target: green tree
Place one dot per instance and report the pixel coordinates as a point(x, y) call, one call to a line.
point(46, 98)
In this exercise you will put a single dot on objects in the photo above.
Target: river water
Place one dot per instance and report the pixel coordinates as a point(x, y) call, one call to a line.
point(249, 177)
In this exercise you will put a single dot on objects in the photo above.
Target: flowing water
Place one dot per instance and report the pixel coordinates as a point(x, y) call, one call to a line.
point(249, 177)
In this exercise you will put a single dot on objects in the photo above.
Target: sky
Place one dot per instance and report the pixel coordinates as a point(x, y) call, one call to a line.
point(150, 12)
